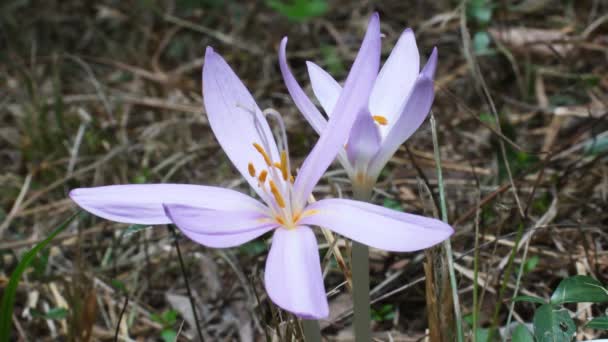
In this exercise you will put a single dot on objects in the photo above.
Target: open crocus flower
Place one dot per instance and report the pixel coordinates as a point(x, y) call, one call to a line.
point(398, 104)
point(219, 217)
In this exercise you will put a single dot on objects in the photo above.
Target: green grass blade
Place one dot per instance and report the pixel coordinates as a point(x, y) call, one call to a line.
point(8, 299)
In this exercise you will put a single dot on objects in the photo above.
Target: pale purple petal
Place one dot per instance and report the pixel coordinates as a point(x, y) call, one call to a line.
point(364, 141)
point(326, 89)
point(226, 240)
point(143, 203)
point(395, 80)
point(293, 276)
point(416, 110)
point(235, 118)
point(352, 100)
point(213, 221)
point(431, 65)
point(308, 109)
point(377, 226)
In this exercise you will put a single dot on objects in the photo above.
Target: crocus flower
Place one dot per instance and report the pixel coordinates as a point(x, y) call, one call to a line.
point(218, 217)
point(398, 104)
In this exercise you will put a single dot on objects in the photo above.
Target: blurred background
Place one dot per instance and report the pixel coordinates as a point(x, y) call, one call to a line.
point(109, 92)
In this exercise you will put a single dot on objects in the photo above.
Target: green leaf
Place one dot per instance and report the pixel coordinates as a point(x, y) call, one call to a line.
point(168, 335)
point(530, 299)
point(299, 10)
point(8, 299)
point(480, 11)
point(551, 325)
point(385, 313)
point(481, 43)
point(521, 334)
point(253, 248)
point(579, 289)
point(118, 285)
point(598, 323)
point(531, 264)
point(54, 313)
point(392, 204)
point(169, 317)
point(482, 335)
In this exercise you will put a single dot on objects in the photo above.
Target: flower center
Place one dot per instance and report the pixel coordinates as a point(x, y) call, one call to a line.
point(277, 183)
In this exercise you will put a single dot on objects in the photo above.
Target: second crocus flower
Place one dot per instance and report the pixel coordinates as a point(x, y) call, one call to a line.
point(398, 104)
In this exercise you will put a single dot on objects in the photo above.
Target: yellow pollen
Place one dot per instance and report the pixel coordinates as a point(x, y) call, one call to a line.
point(284, 170)
point(291, 179)
point(260, 149)
point(277, 165)
point(251, 169)
point(276, 194)
point(297, 217)
point(280, 220)
point(310, 212)
point(262, 176)
point(381, 120)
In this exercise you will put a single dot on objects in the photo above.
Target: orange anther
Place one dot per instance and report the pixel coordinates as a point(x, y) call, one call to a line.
point(284, 169)
point(277, 195)
point(381, 120)
point(262, 176)
point(260, 149)
point(251, 169)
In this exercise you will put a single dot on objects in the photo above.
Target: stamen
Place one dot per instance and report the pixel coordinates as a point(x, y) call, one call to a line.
point(292, 179)
point(277, 165)
point(380, 120)
point(284, 169)
point(277, 195)
point(261, 150)
point(251, 169)
point(296, 217)
point(262, 176)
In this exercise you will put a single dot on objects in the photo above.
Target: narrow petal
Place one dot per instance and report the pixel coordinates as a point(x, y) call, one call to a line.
point(415, 111)
point(363, 142)
point(143, 203)
point(293, 276)
point(395, 80)
point(326, 88)
point(308, 109)
point(235, 118)
point(226, 240)
point(352, 100)
point(377, 226)
point(431, 65)
point(213, 221)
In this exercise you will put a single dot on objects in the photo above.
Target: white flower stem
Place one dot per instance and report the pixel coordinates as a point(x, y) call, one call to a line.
point(447, 243)
point(311, 330)
point(362, 313)
point(360, 272)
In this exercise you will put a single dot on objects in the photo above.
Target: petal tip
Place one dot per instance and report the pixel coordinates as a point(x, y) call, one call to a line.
point(74, 193)
point(431, 65)
point(209, 52)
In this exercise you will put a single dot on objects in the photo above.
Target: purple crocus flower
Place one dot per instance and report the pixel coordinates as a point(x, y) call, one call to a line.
point(399, 102)
point(218, 217)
